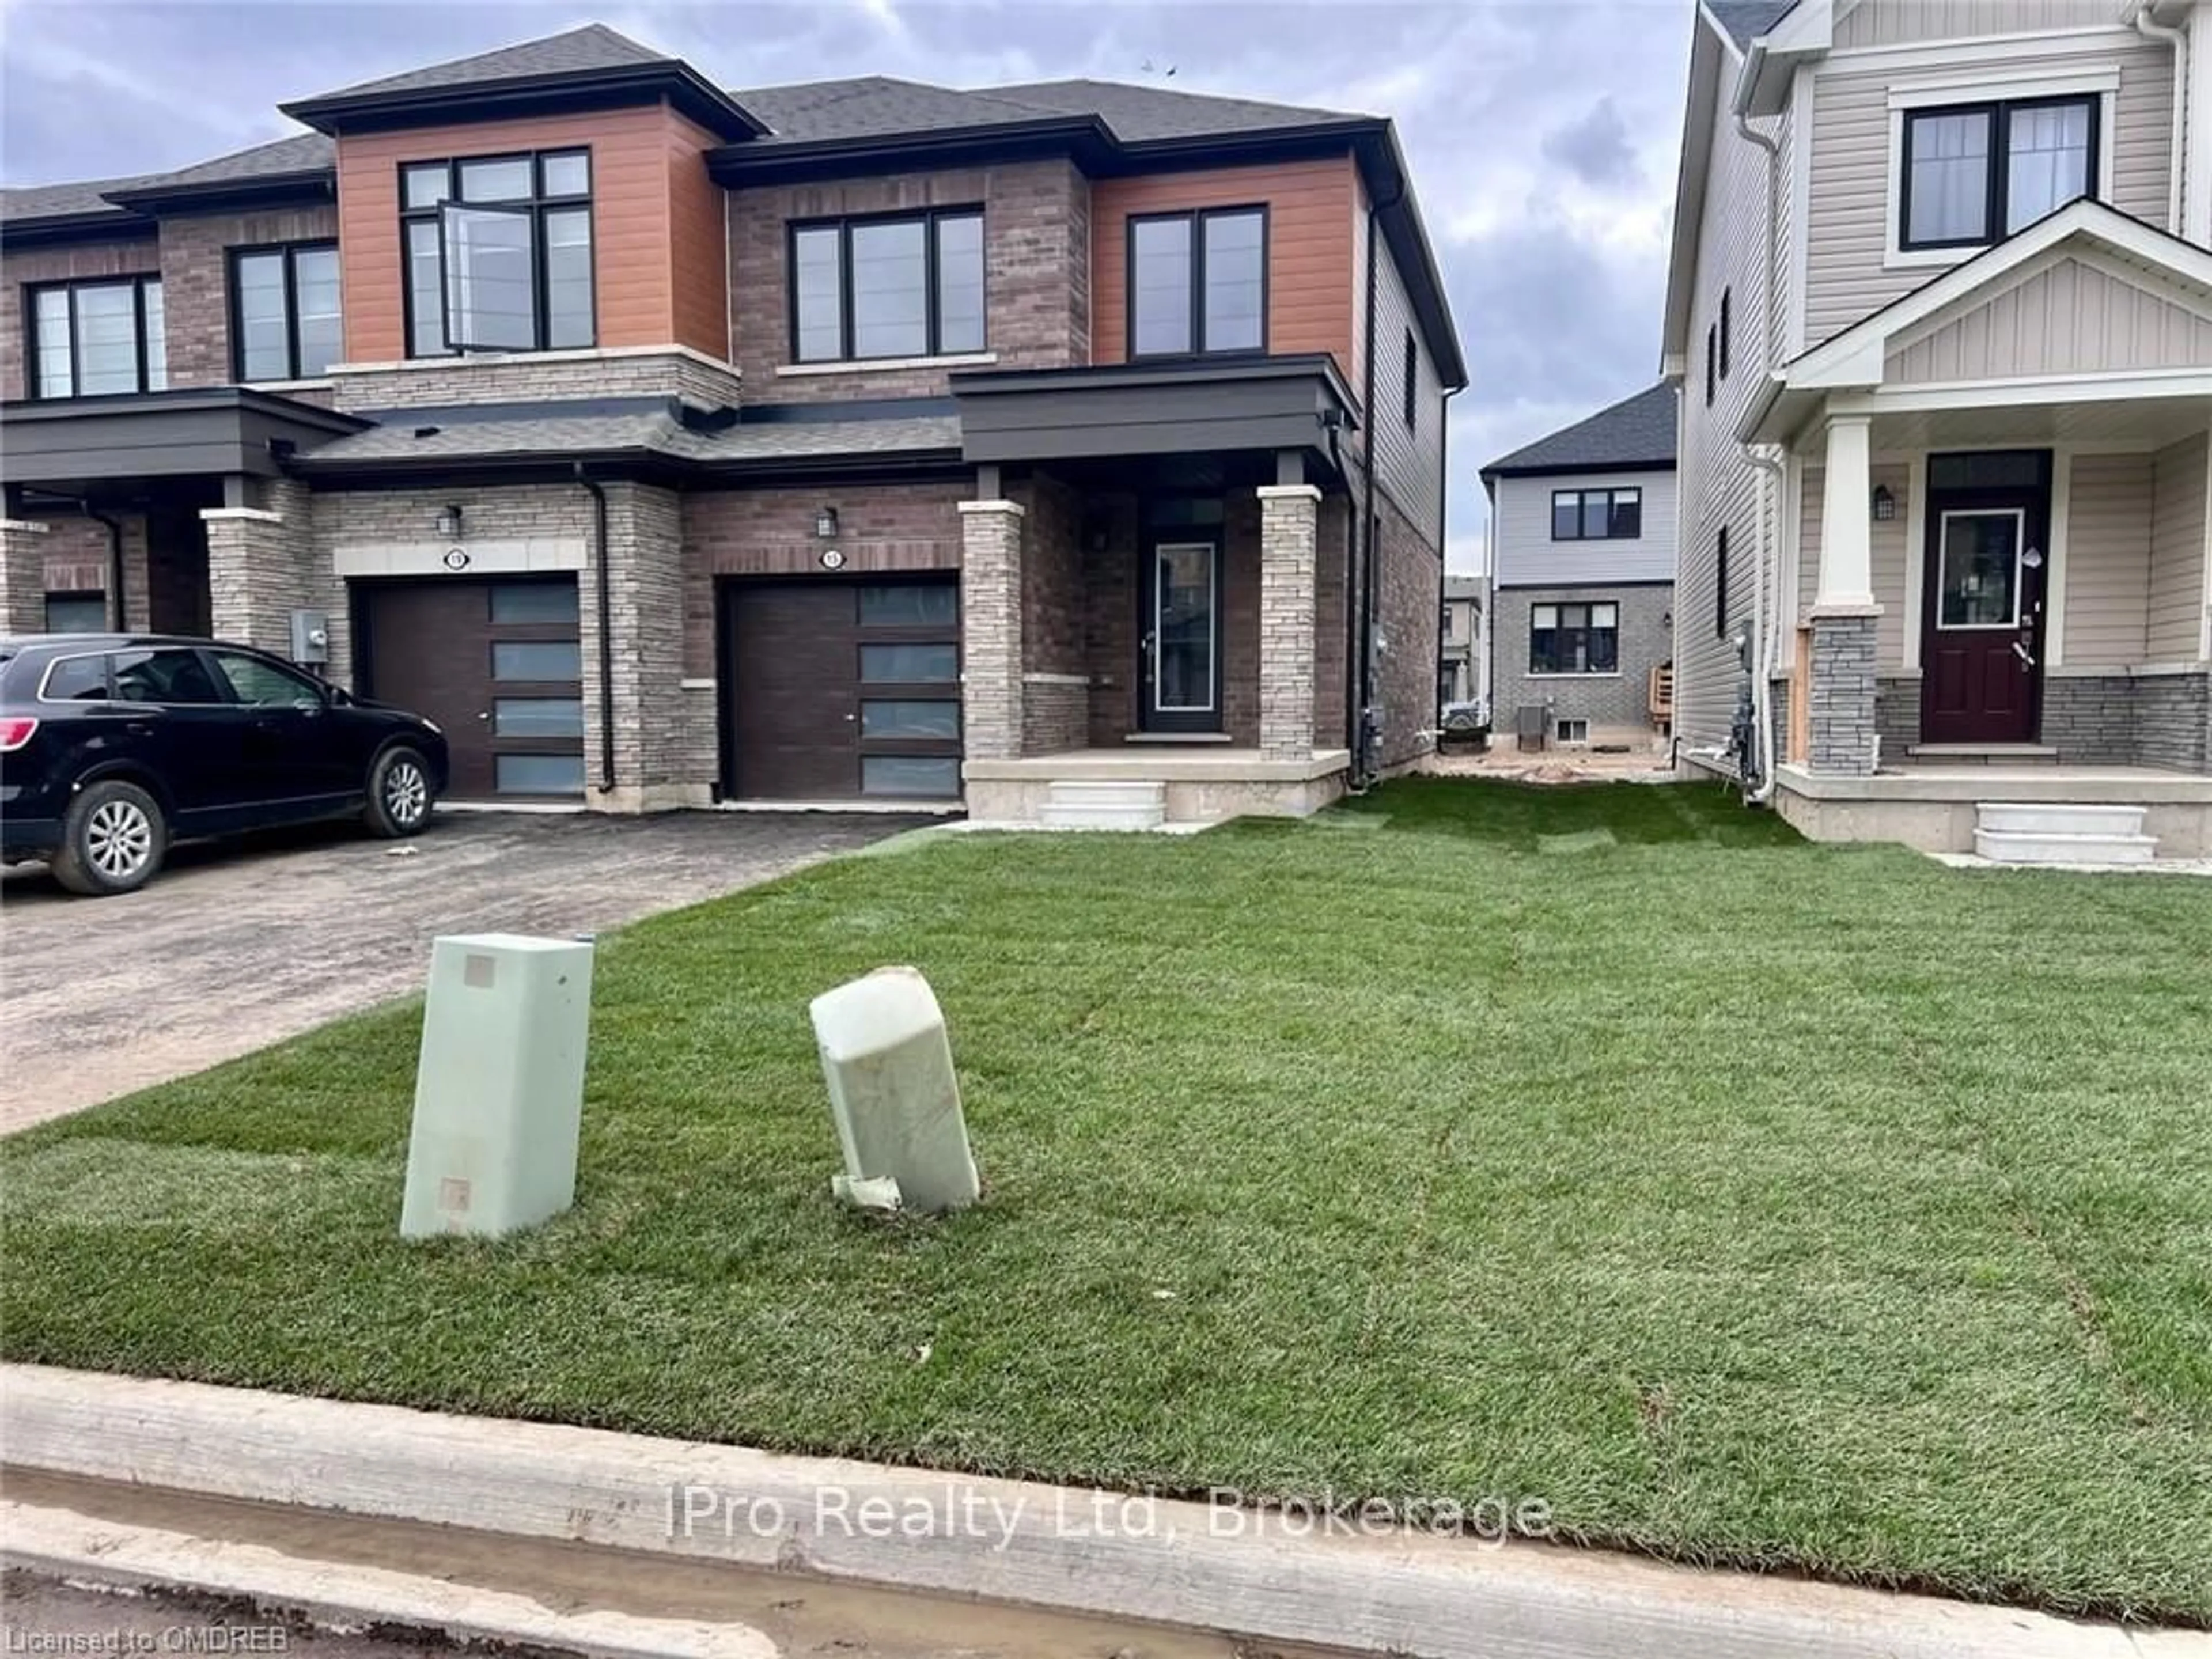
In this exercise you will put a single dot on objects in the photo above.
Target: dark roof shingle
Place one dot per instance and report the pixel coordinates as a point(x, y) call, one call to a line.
point(593, 46)
point(65, 200)
point(1746, 20)
point(1138, 114)
point(1637, 431)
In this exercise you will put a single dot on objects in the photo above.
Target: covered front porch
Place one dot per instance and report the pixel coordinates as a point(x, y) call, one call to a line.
point(1155, 576)
point(1993, 582)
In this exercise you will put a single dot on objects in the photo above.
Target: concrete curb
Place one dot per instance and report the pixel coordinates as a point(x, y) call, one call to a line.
point(1064, 1548)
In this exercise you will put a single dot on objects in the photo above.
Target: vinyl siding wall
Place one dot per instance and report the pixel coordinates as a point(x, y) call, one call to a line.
point(2069, 319)
point(2174, 627)
point(2108, 535)
point(1408, 461)
point(1888, 537)
point(1852, 196)
point(1527, 556)
point(1718, 486)
point(1901, 22)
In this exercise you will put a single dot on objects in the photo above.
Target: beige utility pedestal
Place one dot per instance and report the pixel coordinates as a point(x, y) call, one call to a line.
point(499, 1093)
point(889, 1066)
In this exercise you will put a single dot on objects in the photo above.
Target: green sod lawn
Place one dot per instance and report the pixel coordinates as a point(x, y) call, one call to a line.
point(1747, 1201)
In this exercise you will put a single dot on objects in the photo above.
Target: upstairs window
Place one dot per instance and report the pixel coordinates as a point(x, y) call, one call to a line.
point(95, 339)
point(1412, 389)
point(498, 252)
point(284, 312)
point(867, 289)
point(1727, 297)
point(1198, 283)
point(1974, 174)
point(1597, 515)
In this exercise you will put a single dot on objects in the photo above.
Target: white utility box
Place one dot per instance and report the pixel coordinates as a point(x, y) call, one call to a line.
point(889, 1066)
point(499, 1094)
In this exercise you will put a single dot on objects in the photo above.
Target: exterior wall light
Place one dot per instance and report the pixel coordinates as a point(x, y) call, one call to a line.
point(825, 523)
point(1885, 504)
point(449, 523)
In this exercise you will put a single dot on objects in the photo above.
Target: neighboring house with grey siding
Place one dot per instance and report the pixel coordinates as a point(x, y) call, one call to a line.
point(1462, 640)
point(1940, 305)
point(1583, 542)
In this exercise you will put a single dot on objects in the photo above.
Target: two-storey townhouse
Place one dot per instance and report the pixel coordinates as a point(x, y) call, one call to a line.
point(1583, 537)
point(862, 441)
point(1941, 308)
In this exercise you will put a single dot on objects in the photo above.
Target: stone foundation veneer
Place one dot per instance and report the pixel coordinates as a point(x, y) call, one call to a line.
point(991, 629)
point(1288, 523)
point(22, 576)
point(1842, 707)
point(2141, 719)
point(537, 377)
point(260, 568)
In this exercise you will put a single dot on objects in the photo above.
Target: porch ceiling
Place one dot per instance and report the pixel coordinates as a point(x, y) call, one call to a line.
point(2157, 422)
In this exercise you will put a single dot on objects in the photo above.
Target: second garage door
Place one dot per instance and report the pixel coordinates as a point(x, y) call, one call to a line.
point(498, 664)
point(842, 690)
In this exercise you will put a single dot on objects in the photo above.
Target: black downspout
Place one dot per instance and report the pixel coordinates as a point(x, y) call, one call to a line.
point(603, 585)
point(117, 611)
point(1444, 548)
point(1363, 763)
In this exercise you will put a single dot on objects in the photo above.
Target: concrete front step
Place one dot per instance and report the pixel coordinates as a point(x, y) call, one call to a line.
point(1984, 754)
point(2015, 847)
point(1114, 806)
point(2059, 818)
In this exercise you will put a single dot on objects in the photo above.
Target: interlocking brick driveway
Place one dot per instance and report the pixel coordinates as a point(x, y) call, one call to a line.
point(236, 946)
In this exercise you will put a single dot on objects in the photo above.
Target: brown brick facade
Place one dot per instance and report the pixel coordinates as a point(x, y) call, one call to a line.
point(1409, 586)
point(195, 254)
point(760, 532)
point(58, 264)
point(1036, 229)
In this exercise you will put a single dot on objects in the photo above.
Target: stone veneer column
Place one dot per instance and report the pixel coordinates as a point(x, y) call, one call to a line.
point(1288, 529)
point(1840, 712)
point(259, 568)
point(991, 629)
point(654, 756)
point(22, 576)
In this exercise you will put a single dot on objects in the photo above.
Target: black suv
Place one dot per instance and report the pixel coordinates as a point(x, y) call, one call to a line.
point(111, 744)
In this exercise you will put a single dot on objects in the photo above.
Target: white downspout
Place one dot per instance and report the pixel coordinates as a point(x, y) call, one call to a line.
point(2151, 28)
point(1770, 487)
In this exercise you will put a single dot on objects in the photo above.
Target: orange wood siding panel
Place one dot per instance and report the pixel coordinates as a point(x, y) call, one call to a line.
point(643, 161)
point(1311, 297)
point(699, 248)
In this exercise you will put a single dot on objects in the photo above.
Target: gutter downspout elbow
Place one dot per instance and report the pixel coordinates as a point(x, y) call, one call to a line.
point(603, 590)
point(2148, 26)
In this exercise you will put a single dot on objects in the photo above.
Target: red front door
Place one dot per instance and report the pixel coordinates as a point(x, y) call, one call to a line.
point(1982, 615)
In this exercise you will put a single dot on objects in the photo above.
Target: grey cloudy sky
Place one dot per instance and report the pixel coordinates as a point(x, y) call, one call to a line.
point(1542, 132)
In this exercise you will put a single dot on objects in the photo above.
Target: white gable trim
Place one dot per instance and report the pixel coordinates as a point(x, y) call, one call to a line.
point(2091, 256)
point(1855, 357)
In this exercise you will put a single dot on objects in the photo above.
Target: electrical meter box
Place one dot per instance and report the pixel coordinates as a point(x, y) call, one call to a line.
point(499, 1091)
point(889, 1066)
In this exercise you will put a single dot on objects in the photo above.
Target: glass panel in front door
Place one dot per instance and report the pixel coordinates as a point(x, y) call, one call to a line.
point(1980, 577)
point(1182, 626)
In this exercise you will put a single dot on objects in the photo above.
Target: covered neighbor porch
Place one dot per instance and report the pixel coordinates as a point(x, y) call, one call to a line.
point(1994, 583)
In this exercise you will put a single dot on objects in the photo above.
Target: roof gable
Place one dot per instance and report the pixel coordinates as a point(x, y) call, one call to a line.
point(2075, 311)
point(1636, 432)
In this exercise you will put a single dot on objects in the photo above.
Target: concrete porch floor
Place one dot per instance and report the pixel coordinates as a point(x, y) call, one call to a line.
point(1168, 762)
point(1168, 784)
point(1932, 807)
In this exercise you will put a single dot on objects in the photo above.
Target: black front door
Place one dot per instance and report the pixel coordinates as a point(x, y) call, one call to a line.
point(1988, 526)
point(1179, 638)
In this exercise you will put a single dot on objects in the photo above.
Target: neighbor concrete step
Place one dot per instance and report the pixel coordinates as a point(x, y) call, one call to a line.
point(1112, 805)
point(2010, 847)
point(2058, 819)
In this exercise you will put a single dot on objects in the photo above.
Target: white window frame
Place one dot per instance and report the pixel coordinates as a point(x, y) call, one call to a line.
point(1990, 87)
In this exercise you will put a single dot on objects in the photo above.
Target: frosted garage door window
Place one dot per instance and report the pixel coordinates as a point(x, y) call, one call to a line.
point(533, 602)
point(937, 719)
point(909, 664)
point(537, 660)
point(540, 774)
point(933, 604)
point(537, 717)
point(912, 777)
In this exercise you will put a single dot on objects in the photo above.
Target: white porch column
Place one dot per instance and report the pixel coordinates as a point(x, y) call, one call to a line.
point(1846, 507)
point(1289, 527)
point(991, 629)
point(1841, 711)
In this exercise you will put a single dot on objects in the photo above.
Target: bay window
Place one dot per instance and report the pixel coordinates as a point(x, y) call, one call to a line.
point(498, 253)
point(876, 289)
point(93, 339)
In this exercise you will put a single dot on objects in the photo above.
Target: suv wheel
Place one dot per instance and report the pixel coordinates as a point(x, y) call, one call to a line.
point(399, 797)
point(113, 839)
